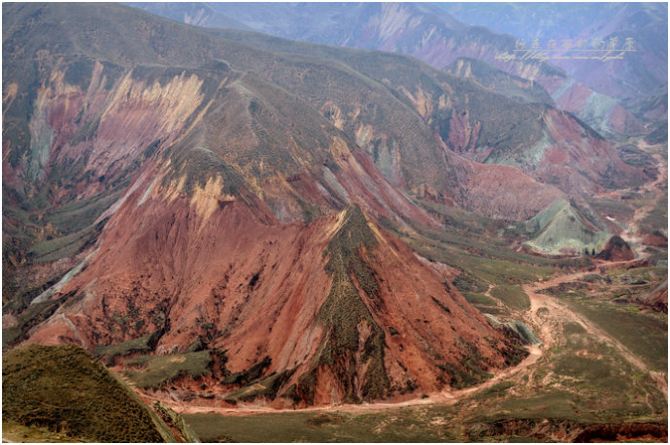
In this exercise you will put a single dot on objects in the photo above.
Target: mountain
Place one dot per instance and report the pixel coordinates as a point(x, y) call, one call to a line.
point(470, 121)
point(173, 190)
point(426, 32)
point(194, 13)
point(642, 71)
point(66, 164)
point(424, 110)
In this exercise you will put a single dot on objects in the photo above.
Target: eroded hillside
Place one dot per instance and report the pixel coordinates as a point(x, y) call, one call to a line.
point(234, 217)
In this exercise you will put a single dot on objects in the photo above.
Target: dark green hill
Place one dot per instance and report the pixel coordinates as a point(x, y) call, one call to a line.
point(62, 389)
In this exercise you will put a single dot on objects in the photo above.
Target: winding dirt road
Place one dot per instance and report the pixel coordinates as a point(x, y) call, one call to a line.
point(657, 187)
point(550, 322)
point(549, 326)
point(447, 397)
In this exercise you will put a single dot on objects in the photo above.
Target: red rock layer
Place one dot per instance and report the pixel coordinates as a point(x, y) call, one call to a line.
point(616, 249)
point(218, 268)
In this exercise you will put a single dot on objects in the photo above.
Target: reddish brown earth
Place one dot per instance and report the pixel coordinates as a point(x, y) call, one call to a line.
point(203, 246)
point(616, 249)
point(259, 286)
point(499, 191)
point(228, 259)
point(658, 298)
point(656, 240)
point(556, 150)
point(581, 162)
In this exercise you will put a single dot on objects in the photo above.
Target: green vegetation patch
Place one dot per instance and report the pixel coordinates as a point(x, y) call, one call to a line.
point(267, 387)
point(158, 370)
point(643, 333)
point(432, 424)
point(585, 368)
point(549, 404)
point(140, 344)
point(469, 372)
point(657, 218)
point(65, 246)
point(484, 269)
point(62, 389)
point(466, 282)
point(479, 299)
point(78, 215)
point(497, 390)
point(344, 311)
point(512, 295)
point(31, 317)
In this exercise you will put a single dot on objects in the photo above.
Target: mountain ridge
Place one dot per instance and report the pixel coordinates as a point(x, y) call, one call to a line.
point(137, 150)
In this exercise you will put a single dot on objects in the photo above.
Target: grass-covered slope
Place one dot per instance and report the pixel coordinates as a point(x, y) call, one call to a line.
point(562, 229)
point(344, 312)
point(62, 390)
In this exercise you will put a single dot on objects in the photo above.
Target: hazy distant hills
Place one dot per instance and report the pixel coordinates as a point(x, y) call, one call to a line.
point(592, 90)
point(646, 23)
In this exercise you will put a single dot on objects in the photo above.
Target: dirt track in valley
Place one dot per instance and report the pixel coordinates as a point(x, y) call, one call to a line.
point(447, 397)
point(657, 187)
point(550, 321)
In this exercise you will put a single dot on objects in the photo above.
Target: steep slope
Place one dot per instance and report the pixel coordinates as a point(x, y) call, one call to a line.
point(190, 189)
point(65, 164)
point(412, 137)
point(351, 311)
point(470, 120)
